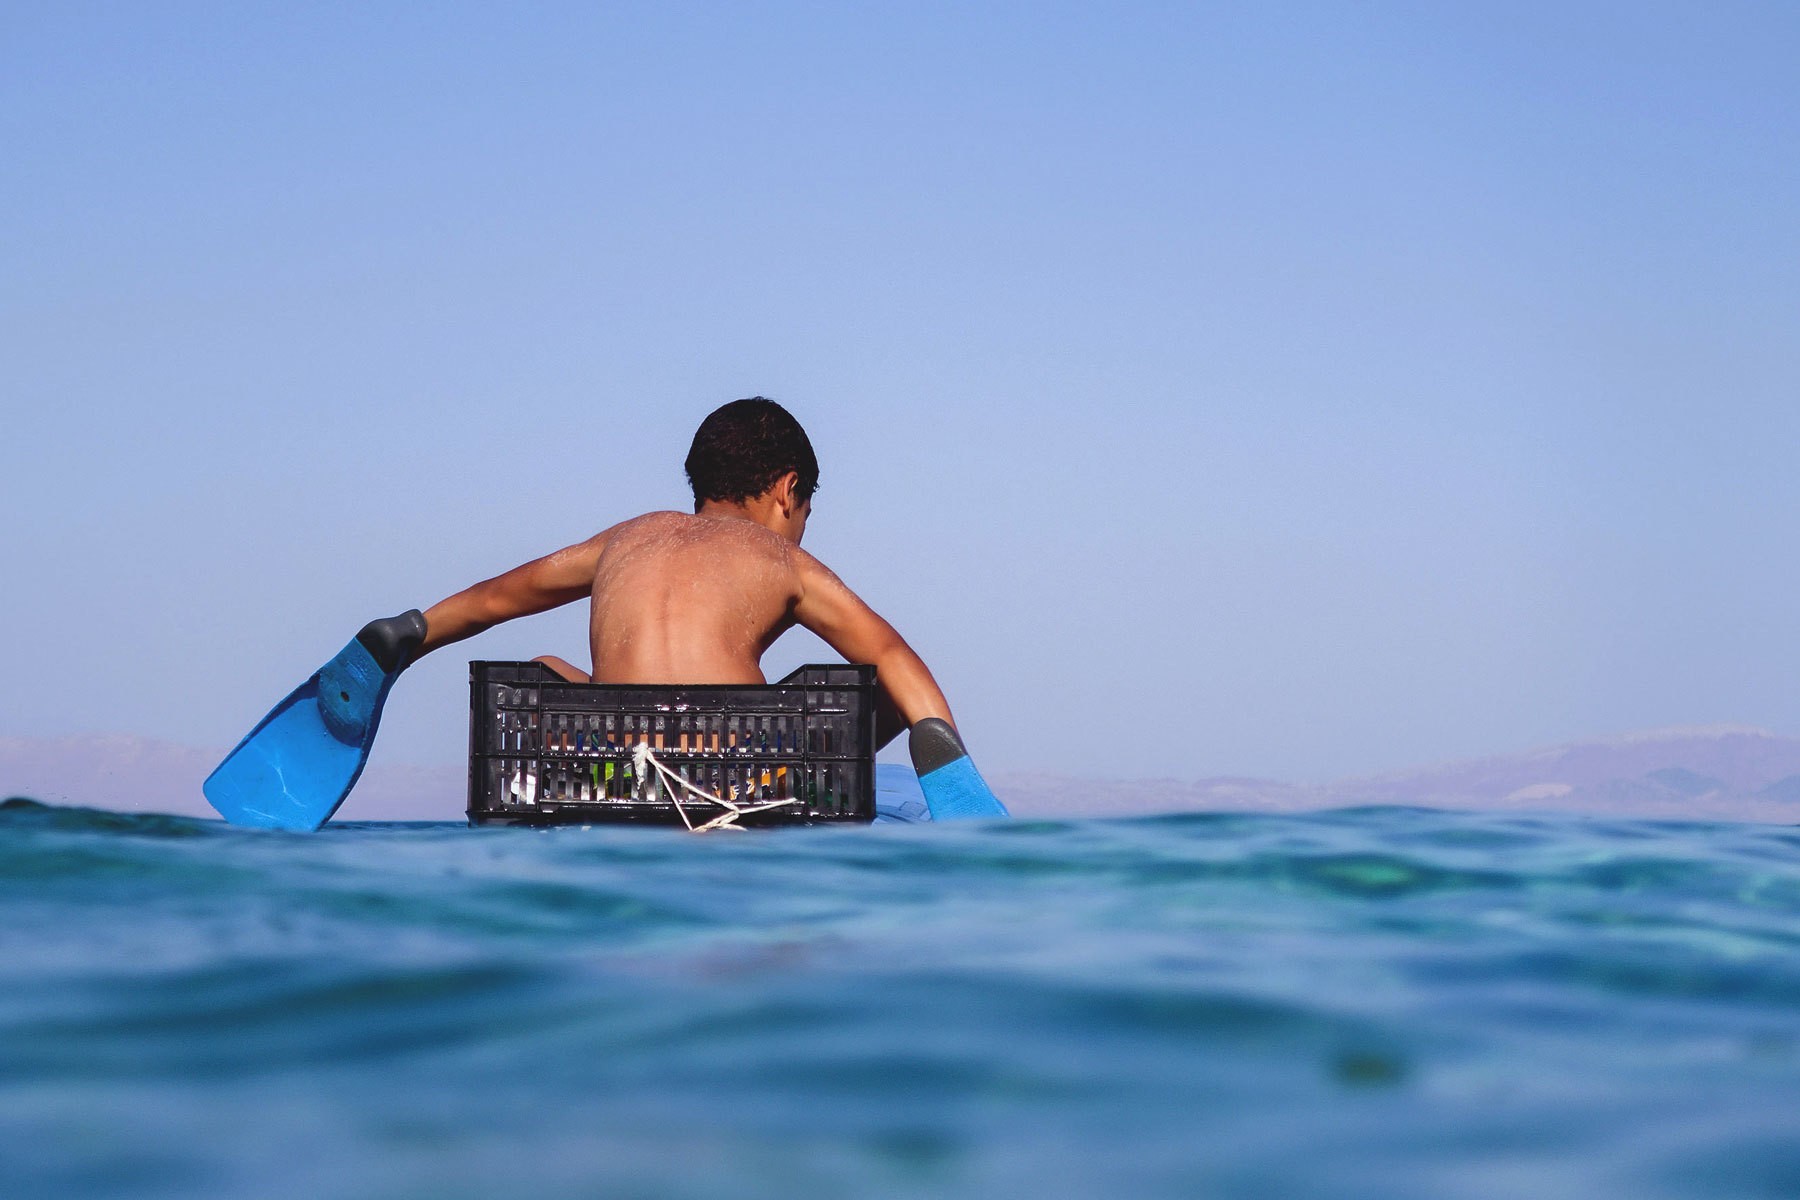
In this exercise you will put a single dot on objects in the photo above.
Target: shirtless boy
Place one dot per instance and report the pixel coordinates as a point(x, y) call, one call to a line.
point(675, 599)
point(679, 598)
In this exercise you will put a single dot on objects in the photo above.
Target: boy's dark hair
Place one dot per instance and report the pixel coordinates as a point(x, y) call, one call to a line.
point(740, 450)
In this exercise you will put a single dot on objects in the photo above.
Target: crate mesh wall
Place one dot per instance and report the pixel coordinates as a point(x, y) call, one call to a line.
point(544, 751)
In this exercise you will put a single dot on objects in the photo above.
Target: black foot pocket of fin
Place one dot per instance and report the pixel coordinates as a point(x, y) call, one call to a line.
point(934, 744)
point(392, 641)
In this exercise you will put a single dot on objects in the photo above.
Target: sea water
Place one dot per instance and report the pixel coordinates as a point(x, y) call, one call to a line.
point(1378, 1002)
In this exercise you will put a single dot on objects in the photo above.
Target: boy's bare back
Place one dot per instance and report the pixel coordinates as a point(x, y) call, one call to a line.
point(680, 598)
point(691, 598)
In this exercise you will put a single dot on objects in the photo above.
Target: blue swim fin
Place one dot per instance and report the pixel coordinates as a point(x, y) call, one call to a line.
point(898, 798)
point(953, 788)
point(298, 764)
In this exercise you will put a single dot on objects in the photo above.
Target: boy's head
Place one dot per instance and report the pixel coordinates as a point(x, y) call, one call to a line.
point(741, 450)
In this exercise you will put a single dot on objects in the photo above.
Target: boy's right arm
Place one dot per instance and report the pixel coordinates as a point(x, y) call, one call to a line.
point(537, 586)
point(953, 787)
point(838, 615)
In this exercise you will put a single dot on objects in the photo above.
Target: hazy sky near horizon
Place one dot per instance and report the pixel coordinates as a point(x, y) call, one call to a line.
point(1293, 390)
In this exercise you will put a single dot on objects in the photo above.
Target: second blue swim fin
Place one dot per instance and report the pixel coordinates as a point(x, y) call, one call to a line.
point(953, 788)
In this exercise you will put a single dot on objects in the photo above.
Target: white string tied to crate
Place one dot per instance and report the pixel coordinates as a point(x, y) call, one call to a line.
point(644, 758)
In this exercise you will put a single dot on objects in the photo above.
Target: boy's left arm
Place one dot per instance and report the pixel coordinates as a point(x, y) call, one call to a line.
point(535, 587)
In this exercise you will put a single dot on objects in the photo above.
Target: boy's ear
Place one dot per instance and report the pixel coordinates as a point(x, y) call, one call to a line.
point(784, 492)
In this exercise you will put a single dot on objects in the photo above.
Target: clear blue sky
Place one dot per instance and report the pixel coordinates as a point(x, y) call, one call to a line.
point(1293, 390)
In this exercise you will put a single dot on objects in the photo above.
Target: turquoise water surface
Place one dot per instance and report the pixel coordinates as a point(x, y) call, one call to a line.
point(1376, 1002)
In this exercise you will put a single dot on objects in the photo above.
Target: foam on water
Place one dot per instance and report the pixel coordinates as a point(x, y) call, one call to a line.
point(1377, 1002)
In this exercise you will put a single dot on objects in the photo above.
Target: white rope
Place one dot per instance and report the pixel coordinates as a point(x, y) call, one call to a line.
point(644, 758)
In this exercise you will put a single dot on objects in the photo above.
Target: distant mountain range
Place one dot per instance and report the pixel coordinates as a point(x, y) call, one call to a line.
point(1719, 772)
point(126, 773)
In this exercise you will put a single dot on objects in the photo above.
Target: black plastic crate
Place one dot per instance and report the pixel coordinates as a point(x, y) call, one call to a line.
point(543, 751)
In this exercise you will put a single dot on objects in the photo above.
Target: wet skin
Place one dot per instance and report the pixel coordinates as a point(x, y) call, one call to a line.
point(697, 598)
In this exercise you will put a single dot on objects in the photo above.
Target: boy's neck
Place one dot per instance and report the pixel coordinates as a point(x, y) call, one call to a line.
point(759, 509)
point(779, 509)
